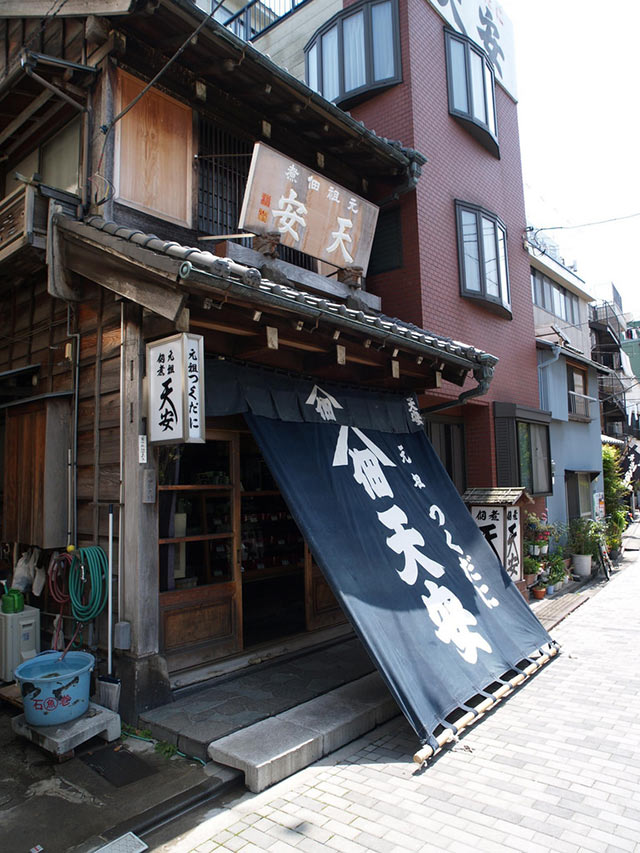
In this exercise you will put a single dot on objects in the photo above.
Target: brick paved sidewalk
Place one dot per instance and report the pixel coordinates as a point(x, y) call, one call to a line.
point(556, 767)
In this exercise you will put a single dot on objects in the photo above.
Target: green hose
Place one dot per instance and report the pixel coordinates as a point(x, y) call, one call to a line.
point(88, 583)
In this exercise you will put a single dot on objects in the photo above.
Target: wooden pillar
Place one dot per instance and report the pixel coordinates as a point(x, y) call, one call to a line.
point(143, 670)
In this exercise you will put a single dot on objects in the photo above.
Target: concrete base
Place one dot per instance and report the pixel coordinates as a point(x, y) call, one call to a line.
point(145, 685)
point(273, 749)
point(63, 739)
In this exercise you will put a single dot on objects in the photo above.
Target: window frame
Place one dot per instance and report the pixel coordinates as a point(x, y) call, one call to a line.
point(502, 303)
point(482, 131)
point(538, 489)
point(345, 98)
point(544, 292)
point(575, 403)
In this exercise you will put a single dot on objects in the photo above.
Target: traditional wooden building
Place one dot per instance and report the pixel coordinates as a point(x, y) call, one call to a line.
point(126, 134)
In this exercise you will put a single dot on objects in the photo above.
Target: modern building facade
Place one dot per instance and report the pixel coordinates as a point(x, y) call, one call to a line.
point(450, 255)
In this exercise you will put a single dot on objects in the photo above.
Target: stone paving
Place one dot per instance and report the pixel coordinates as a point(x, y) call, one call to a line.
point(555, 767)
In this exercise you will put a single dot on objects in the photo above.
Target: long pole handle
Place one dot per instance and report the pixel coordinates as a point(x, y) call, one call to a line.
point(110, 595)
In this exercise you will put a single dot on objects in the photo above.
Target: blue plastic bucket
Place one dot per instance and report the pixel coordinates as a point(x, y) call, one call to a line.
point(55, 691)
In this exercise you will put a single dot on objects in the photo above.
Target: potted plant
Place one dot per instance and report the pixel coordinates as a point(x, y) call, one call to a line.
point(556, 573)
point(582, 541)
point(540, 589)
point(530, 569)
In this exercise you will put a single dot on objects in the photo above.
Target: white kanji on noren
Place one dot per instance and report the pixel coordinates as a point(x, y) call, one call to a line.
point(290, 213)
point(367, 462)
point(453, 622)
point(324, 402)
point(406, 541)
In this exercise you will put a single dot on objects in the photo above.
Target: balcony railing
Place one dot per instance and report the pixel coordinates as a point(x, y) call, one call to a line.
point(257, 16)
point(579, 404)
point(606, 315)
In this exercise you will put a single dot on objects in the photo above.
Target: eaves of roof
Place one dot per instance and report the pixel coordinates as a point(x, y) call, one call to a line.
point(226, 274)
point(572, 355)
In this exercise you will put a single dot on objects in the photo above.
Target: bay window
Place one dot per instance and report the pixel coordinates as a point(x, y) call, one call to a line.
point(357, 50)
point(471, 85)
point(482, 257)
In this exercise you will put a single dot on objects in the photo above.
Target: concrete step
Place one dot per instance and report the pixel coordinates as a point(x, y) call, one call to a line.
point(279, 746)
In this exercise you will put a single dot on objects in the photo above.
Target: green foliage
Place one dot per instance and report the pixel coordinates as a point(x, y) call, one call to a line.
point(530, 565)
point(583, 535)
point(614, 488)
point(168, 750)
point(132, 731)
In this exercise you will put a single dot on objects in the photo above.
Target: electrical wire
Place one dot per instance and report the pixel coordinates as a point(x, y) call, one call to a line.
point(584, 224)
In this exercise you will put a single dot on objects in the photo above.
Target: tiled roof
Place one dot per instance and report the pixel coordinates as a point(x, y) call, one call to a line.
point(495, 496)
point(224, 268)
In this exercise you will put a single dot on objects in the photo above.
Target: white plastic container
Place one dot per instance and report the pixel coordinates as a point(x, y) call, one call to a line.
point(19, 639)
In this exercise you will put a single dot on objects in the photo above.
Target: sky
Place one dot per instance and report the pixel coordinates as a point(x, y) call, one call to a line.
point(579, 118)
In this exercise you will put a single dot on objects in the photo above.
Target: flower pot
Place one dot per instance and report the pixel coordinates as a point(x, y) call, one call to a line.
point(536, 550)
point(551, 588)
point(530, 579)
point(539, 593)
point(544, 549)
point(581, 565)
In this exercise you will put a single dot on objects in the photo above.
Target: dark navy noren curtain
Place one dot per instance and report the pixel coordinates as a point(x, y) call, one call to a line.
point(427, 595)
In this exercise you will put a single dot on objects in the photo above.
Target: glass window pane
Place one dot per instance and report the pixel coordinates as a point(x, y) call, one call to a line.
point(548, 294)
point(477, 86)
point(312, 68)
point(540, 457)
point(60, 158)
point(524, 448)
point(559, 307)
point(458, 76)
point(471, 270)
point(195, 464)
point(584, 494)
point(330, 84)
point(185, 565)
point(184, 513)
point(353, 52)
point(488, 84)
point(492, 281)
point(382, 27)
point(502, 260)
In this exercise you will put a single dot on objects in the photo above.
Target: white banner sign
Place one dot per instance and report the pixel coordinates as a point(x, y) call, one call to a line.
point(486, 23)
point(500, 526)
point(175, 371)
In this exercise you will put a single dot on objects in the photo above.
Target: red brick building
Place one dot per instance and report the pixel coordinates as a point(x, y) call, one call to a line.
point(411, 70)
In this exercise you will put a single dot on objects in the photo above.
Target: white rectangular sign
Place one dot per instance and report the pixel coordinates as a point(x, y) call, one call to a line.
point(176, 390)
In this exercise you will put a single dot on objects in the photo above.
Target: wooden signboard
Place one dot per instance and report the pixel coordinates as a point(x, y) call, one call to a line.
point(311, 213)
point(175, 370)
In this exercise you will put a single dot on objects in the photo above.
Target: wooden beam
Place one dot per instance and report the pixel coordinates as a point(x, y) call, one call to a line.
point(26, 114)
point(70, 9)
point(198, 323)
point(125, 280)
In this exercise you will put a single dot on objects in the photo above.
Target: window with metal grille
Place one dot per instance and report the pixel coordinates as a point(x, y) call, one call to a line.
point(224, 161)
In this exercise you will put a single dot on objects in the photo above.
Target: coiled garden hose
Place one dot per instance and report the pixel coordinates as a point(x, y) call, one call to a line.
point(88, 583)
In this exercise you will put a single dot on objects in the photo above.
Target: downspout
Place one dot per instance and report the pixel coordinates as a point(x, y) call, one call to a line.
point(556, 349)
point(72, 522)
point(483, 376)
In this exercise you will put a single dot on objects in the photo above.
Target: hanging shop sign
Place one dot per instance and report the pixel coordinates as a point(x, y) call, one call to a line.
point(310, 212)
point(175, 373)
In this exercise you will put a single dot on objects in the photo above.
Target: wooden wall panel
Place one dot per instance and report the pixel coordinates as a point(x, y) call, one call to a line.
point(154, 162)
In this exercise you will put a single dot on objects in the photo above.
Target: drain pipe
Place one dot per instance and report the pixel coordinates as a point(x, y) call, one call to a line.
point(483, 376)
point(72, 521)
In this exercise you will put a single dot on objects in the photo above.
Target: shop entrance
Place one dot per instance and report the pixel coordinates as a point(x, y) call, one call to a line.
point(235, 571)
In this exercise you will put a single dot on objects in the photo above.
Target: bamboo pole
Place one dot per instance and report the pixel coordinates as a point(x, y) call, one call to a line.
point(470, 717)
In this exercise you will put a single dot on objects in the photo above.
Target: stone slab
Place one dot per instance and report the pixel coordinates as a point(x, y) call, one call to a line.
point(95, 722)
point(268, 751)
point(274, 749)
